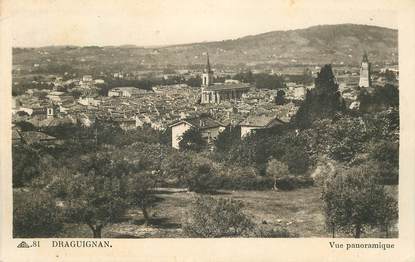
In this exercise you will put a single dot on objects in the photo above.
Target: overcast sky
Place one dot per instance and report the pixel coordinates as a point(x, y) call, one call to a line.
point(162, 22)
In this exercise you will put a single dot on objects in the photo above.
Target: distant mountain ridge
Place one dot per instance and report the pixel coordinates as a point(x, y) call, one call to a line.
point(342, 43)
point(317, 44)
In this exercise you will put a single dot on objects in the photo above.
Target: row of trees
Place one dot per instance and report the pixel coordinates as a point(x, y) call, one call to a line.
point(261, 80)
point(96, 189)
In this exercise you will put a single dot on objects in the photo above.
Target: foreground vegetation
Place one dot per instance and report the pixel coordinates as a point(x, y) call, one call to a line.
point(299, 212)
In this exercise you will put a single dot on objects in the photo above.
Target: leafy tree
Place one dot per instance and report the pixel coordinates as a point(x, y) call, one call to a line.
point(141, 190)
point(386, 156)
point(103, 89)
point(194, 81)
point(64, 131)
point(296, 158)
point(255, 149)
point(144, 156)
point(76, 93)
point(25, 126)
point(176, 166)
point(25, 165)
point(243, 153)
point(291, 148)
point(382, 98)
point(144, 134)
point(245, 77)
point(201, 179)
point(96, 195)
point(22, 113)
point(210, 217)
point(165, 137)
point(266, 81)
point(227, 139)
point(192, 140)
point(383, 125)
point(390, 76)
point(354, 200)
point(387, 213)
point(347, 137)
point(107, 132)
point(35, 215)
point(276, 169)
point(282, 144)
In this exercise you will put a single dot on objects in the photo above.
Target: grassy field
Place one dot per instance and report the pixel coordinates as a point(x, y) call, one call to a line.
point(300, 211)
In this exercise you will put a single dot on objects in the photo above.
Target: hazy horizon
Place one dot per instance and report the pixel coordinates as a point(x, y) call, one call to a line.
point(189, 43)
point(165, 23)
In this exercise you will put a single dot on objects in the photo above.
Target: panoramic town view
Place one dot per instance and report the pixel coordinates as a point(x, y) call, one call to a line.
point(285, 134)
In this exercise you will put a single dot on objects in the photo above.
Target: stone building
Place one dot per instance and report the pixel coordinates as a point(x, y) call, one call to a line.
point(364, 80)
point(207, 126)
point(214, 93)
point(258, 122)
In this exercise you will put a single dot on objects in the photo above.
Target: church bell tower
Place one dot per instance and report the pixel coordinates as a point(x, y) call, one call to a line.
point(207, 76)
point(364, 80)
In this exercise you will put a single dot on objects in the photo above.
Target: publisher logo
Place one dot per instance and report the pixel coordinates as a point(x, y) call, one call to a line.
point(23, 244)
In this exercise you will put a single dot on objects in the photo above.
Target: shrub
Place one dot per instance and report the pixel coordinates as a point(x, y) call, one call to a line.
point(210, 217)
point(270, 232)
point(241, 182)
point(246, 183)
point(297, 159)
point(290, 182)
point(192, 140)
point(35, 215)
point(202, 179)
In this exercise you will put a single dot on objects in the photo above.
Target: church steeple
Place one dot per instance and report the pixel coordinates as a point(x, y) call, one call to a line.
point(207, 77)
point(208, 68)
point(365, 59)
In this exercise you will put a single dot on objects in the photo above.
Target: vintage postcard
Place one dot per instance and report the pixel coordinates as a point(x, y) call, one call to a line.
point(207, 130)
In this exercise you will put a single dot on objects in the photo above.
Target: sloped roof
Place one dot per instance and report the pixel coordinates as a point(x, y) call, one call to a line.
point(131, 89)
point(61, 121)
point(200, 122)
point(261, 121)
point(36, 121)
point(31, 137)
point(15, 134)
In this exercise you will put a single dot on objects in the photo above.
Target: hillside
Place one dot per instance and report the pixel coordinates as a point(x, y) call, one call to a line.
point(314, 45)
point(317, 44)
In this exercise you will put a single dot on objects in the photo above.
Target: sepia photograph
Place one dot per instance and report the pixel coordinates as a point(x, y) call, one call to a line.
point(227, 120)
point(288, 133)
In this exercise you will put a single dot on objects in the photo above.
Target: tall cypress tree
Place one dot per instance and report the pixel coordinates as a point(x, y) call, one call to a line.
point(324, 101)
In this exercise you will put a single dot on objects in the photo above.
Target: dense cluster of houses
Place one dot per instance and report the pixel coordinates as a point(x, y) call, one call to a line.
point(178, 106)
point(161, 108)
